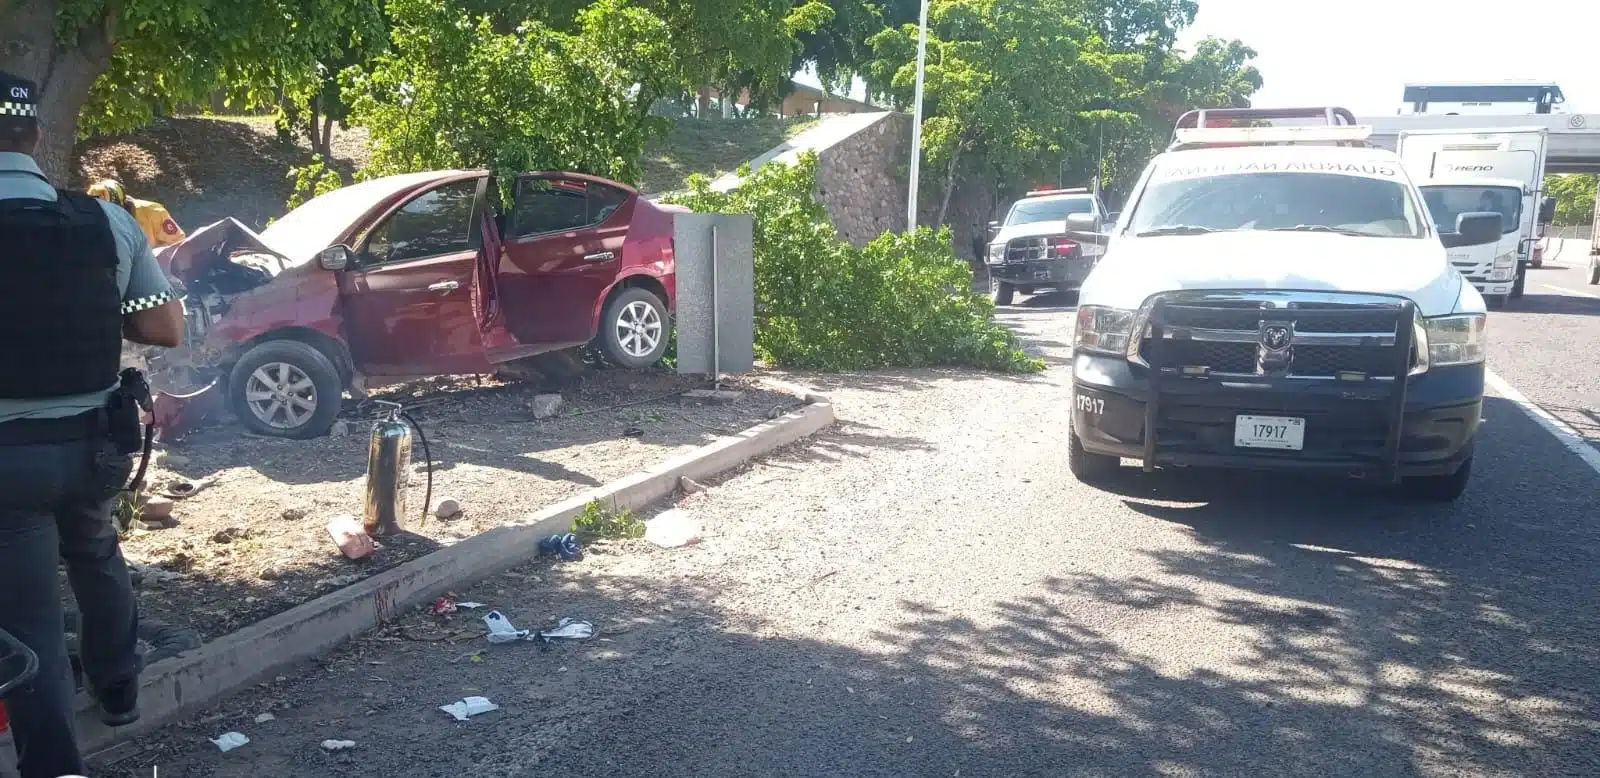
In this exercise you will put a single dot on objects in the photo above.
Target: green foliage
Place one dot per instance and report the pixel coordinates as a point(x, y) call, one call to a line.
point(312, 180)
point(1017, 90)
point(454, 92)
point(1575, 196)
point(166, 53)
point(597, 522)
point(902, 301)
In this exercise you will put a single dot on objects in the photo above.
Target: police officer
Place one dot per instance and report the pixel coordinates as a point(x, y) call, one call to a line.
point(79, 277)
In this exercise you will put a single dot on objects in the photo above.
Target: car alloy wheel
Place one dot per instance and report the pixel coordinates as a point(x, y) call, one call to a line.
point(281, 395)
point(639, 329)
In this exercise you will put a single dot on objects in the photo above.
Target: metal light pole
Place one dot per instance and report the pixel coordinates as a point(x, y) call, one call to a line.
point(916, 120)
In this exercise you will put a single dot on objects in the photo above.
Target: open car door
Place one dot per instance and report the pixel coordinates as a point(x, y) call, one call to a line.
point(499, 345)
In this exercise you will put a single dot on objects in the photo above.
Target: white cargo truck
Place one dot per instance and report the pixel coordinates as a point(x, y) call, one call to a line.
point(1472, 171)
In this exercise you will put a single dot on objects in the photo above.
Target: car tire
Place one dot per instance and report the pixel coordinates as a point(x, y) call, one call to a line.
point(1520, 285)
point(1439, 488)
point(1002, 292)
point(634, 330)
point(1087, 467)
point(279, 369)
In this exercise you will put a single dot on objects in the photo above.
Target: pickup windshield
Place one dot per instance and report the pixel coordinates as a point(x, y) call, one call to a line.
point(1051, 210)
point(1306, 202)
point(1445, 203)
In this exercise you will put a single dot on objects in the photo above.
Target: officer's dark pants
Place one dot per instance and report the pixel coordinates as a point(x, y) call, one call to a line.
point(55, 504)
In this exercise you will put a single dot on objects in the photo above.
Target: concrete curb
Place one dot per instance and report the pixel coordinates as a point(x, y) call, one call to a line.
point(193, 680)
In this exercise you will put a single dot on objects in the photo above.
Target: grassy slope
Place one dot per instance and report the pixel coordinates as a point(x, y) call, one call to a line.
point(204, 169)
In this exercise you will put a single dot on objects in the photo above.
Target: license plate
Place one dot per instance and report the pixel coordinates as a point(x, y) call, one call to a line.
point(1041, 275)
point(1284, 433)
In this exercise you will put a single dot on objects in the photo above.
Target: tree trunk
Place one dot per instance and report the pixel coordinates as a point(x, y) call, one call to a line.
point(703, 106)
point(64, 73)
point(327, 140)
point(949, 187)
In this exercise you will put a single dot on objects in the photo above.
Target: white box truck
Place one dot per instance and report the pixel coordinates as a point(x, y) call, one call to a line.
point(1471, 171)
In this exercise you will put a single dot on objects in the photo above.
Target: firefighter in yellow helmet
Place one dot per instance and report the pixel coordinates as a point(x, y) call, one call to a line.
point(158, 225)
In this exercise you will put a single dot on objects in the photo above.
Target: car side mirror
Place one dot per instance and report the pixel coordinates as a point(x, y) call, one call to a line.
point(336, 258)
point(1478, 227)
point(1547, 210)
point(1084, 221)
point(994, 227)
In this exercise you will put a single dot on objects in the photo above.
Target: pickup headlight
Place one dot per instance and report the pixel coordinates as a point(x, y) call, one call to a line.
point(1444, 341)
point(997, 253)
point(1103, 330)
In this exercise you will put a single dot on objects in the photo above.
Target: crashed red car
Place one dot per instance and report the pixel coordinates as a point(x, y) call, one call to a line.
point(412, 275)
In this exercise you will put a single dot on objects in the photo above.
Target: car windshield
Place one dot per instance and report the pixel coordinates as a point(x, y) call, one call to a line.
point(1309, 202)
point(1052, 210)
point(1446, 203)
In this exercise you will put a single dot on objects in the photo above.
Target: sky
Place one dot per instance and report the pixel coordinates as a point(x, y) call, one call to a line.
point(1360, 53)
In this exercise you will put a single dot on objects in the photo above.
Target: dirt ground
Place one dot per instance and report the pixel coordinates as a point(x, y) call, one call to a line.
point(252, 541)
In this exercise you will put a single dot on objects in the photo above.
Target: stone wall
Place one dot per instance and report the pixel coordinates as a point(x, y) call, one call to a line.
point(862, 180)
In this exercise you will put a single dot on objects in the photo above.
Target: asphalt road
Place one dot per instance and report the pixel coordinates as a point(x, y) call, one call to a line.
point(926, 591)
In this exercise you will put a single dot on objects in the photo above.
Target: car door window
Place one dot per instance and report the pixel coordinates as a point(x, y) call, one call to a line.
point(437, 222)
point(547, 205)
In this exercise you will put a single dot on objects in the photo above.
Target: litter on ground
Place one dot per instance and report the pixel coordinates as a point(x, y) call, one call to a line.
point(467, 707)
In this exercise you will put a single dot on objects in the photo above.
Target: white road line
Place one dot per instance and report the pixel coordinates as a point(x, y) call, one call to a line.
point(1562, 431)
point(1571, 291)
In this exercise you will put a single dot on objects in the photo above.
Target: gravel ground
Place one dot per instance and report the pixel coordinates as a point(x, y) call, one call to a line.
point(253, 542)
point(925, 590)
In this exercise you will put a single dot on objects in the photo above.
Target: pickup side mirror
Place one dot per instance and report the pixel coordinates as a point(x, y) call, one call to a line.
point(1082, 221)
point(1474, 229)
point(336, 258)
point(1547, 210)
point(994, 227)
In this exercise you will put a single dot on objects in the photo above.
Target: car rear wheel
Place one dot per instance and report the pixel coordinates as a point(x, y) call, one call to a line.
point(634, 330)
point(1003, 292)
point(1440, 488)
point(1086, 467)
point(286, 389)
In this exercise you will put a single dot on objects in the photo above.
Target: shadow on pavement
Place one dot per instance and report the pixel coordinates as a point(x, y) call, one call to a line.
point(1555, 304)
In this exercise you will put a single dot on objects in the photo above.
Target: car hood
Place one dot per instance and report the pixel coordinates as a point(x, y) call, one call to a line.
point(1135, 268)
point(1029, 230)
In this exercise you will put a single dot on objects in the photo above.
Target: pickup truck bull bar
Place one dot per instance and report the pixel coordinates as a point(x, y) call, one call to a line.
point(1347, 396)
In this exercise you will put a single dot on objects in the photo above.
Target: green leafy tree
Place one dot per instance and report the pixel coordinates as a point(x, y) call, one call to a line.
point(1575, 195)
point(1023, 90)
point(108, 65)
point(454, 92)
point(904, 300)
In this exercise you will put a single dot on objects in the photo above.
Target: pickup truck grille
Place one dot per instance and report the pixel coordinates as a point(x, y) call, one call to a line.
point(1031, 249)
point(1276, 334)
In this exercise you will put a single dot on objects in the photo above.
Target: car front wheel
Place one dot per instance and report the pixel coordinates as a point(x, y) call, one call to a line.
point(1440, 488)
point(286, 389)
point(634, 329)
point(1003, 292)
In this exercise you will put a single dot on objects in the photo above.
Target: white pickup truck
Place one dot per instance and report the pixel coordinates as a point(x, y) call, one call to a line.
point(1278, 298)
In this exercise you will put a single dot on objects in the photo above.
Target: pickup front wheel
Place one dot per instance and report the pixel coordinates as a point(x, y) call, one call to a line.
point(634, 329)
point(286, 389)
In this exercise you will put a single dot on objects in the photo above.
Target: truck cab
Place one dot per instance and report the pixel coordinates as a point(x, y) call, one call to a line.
point(1496, 268)
point(1277, 298)
point(1484, 170)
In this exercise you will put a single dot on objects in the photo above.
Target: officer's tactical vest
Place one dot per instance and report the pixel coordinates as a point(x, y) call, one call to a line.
point(60, 307)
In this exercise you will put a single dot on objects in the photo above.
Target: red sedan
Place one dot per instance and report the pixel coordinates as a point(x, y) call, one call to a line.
point(437, 273)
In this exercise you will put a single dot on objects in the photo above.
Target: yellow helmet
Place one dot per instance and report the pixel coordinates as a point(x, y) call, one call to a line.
point(111, 191)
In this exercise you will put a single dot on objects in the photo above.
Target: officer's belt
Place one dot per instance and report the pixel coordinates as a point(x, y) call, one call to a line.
point(89, 425)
